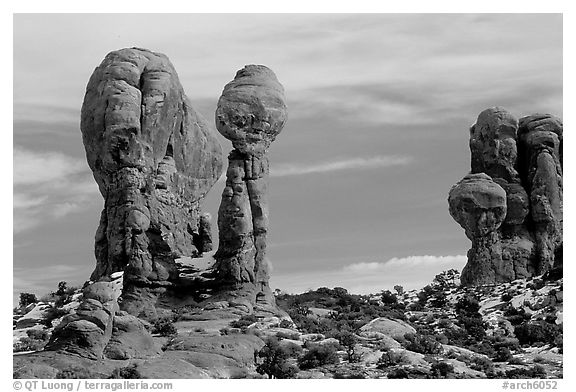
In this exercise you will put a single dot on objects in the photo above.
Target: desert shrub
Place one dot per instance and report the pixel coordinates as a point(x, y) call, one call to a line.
point(389, 358)
point(127, 372)
point(515, 361)
point(474, 326)
point(288, 335)
point(441, 369)
point(244, 321)
point(28, 344)
point(346, 374)
point(502, 341)
point(482, 364)
point(348, 341)
point(164, 327)
point(292, 349)
point(74, 374)
point(388, 298)
point(468, 305)
point(272, 360)
point(399, 373)
point(439, 299)
point(286, 324)
point(318, 355)
point(537, 331)
point(421, 344)
point(536, 371)
point(38, 334)
point(53, 314)
point(507, 296)
point(27, 299)
point(536, 284)
point(503, 354)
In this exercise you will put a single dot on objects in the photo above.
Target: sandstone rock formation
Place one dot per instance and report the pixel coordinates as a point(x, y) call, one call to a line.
point(98, 328)
point(251, 113)
point(510, 205)
point(154, 159)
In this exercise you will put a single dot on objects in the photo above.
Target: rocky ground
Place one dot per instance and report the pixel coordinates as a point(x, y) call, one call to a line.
point(511, 330)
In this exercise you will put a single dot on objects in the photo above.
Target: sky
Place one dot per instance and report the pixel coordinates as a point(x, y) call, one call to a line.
point(379, 110)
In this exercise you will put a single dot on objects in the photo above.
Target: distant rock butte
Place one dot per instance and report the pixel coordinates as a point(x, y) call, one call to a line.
point(154, 159)
point(510, 205)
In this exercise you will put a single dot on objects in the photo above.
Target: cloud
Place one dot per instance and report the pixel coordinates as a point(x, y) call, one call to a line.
point(412, 272)
point(32, 167)
point(48, 186)
point(404, 262)
point(291, 169)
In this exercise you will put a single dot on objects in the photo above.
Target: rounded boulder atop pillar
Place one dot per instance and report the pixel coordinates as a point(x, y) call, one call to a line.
point(252, 110)
point(478, 204)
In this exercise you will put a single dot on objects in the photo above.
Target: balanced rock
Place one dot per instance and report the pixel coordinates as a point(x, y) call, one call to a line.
point(251, 113)
point(154, 159)
point(510, 205)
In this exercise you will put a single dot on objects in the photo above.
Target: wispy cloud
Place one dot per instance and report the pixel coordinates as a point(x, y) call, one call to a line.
point(404, 262)
point(293, 169)
point(47, 186)
point(32, 167)
point(412, 272)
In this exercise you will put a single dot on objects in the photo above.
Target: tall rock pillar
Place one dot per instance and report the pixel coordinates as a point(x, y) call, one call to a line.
point(251, 113)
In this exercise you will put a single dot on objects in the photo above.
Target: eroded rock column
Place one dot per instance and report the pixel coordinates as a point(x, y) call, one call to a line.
point(524, 158)
point(154, 159)
point(251, 113)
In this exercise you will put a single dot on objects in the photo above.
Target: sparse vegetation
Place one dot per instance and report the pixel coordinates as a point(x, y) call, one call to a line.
point(165, 327)
point(27, 299)
point(127, 372)
point(318, 355)
point(272, 360)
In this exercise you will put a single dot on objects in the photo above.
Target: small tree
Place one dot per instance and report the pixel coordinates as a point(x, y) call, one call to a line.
point(274, 360)
point(388, 298)
point(318, 355)
point(349, 341)
point(27, 299)
point(399, 289)
point(62, 288)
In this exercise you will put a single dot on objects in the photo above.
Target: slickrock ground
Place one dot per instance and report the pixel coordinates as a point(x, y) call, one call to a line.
point(508, 330)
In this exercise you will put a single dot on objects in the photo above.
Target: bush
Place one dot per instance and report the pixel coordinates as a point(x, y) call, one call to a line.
point(244, 321)
point(537, 331)
point(421, 344)
point(318, 355)
point(28, 344)
point(274, 361)
point(348, 341)
point(503, 355)
point(27, 299)
point(536, 371)
point(286, 324)
point(74, 374)
point(482, 364)
point(468, 305)
point(288, 335)
point(507, 296)
point(128, 372)
point(441, 369)
point(53, 314)
point(389, 358)
point(388, 298)
point(165, 327)
point(399, 373)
